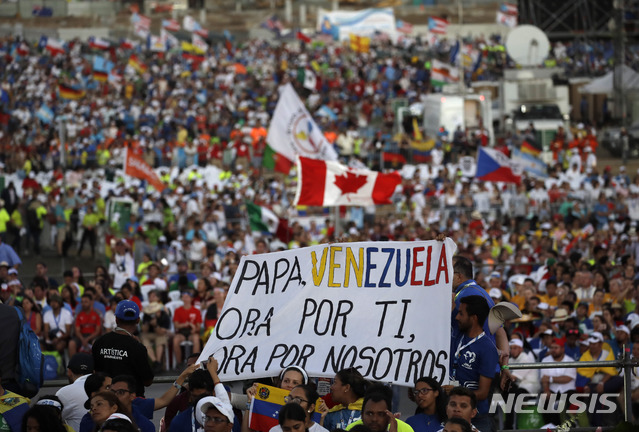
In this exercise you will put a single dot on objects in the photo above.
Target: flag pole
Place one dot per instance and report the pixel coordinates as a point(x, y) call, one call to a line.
point(337, 222)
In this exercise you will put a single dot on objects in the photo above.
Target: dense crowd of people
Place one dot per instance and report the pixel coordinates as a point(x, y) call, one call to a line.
point(563, 248)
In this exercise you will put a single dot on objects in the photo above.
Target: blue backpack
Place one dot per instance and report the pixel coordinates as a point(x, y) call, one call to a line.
point(30, 360)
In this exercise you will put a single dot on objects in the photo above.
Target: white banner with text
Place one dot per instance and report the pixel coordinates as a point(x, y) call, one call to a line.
point(383, 307)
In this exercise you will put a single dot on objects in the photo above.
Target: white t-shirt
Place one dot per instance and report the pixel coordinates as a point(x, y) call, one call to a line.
point(315, 428)
point(73, 398)
point(109, 320)
point(556, 372)
point(58, 322)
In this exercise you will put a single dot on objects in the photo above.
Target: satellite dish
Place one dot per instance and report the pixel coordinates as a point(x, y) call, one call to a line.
point(527, 45)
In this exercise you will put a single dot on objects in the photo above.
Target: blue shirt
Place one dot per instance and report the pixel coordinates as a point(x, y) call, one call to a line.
point(144, 406)
point(465, 289)
point(476, 358)
point(145, 425)
point(184, 421)
point(9, 255)
point(574, 352)
point(425, 422)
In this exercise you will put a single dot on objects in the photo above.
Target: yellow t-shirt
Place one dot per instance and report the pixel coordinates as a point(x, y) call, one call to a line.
point(606, 354)
point(91, 220)
point(4, 218)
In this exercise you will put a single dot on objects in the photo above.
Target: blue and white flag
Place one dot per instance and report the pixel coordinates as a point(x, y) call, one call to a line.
point(45, 114)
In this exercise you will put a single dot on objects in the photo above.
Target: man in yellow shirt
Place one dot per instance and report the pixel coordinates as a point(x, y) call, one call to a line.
point(598, 379)
point(4, 219)
point(90, 225)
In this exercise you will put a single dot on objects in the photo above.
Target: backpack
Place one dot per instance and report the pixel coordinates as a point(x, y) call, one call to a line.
point(30, 361)
point(52, 365)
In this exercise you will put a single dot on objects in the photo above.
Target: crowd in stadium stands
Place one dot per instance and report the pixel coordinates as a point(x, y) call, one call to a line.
point(563, 248)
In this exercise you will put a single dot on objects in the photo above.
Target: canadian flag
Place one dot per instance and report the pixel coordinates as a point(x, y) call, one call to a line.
point(329, 183)
point(135, 166)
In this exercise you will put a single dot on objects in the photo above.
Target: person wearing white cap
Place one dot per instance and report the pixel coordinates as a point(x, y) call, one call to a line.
point(215, 414)
point(557, 380)
point(495, 294)
point(495, 282)
point(598, 379)
point(622, 338)
point(526, 379)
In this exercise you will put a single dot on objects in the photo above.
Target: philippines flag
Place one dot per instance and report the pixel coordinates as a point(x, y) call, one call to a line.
point(273, 23)
point(140, 21)
point(509, 8)
point(404, 27)
point(493, 165)
point(171, 25)
point(437, 25)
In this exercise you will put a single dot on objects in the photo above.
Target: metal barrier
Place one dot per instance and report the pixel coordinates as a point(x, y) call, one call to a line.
point(626, 362)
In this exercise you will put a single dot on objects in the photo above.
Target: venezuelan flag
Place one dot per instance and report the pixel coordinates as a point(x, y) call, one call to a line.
point(67, 92)
point(265, 408)
point(421, 156)
point(530, 149)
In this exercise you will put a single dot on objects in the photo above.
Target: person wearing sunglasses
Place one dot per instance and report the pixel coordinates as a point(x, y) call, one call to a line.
point(305, 395)
point(123, 386)
point(431, 405)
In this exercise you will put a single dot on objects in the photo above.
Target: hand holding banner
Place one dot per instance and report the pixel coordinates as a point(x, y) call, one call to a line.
point(329, 307)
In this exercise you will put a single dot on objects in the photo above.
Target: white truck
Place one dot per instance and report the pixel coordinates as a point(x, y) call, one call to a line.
point(470, 111)
point(532, 96)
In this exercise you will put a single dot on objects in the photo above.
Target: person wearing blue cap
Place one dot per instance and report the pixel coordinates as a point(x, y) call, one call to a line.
point(120, 353)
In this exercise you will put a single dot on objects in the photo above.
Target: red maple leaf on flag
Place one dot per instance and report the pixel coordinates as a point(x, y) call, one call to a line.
point(350, 182)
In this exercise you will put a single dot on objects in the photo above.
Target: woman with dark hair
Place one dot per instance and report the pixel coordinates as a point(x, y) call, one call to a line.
point(54, 403)
point(457, 424)
point(118, 425)
point(347, 392)
point(292, 418)
point(41, 418)
point(32, 314)
point(69, 298)
point(103, 405)
point(431, 405)
point(292, 377)
point(306, 396)
point(78, 278)
point(289, 378)
point(129, 291)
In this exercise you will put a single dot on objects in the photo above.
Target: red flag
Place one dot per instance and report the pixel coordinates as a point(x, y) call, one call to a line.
point(393, 157)
point(301, 36)
point(136, 167)
point(329, 183)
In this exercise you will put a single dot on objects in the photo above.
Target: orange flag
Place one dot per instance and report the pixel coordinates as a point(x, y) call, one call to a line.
point(136, 167)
